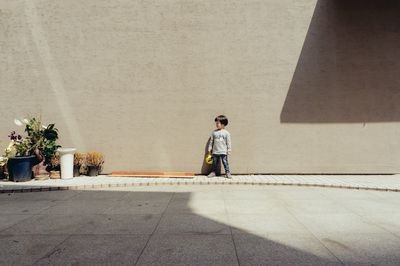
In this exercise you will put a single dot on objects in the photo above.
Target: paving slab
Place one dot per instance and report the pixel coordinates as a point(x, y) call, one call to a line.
point(264, 206)
point(364, 249)
point(282, 249)
point(246, 194)
point(189, 249)
point(198, 206)
point(60, 195)
point(389, 221)
point(391, 196)
point(362, 206)
point(138, 207)
point(148, 196)
point(186, 226)
point(96, 250)
point(316, 205)
point(264, 223)
point(10, 220)
point(343, 195)
point(199, 195)
point(26, 249)
point(298, 193)
point(184, 223)
point(89, 206)
point(99, 196)
point(120, 224)
point(48, 224)
point(24, 207)
point(340, 223)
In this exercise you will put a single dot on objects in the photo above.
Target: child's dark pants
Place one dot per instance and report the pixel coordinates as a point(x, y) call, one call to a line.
point(224, 159)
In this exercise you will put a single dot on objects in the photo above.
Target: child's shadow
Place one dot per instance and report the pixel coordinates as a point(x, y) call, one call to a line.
point(207, 168)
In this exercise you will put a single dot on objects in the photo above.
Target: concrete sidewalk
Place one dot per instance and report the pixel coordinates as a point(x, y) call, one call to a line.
point(375, 182)
point(201, 225)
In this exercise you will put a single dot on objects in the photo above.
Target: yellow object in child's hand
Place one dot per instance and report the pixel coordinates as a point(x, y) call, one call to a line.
point(209, 158)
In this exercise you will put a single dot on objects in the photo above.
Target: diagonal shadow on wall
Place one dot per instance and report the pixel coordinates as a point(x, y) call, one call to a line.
point(349, 67)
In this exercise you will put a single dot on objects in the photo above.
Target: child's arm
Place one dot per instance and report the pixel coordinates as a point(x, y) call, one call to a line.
point(228, 143)
point(210, 143)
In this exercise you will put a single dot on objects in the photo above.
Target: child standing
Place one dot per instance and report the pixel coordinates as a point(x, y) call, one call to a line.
point(220, 145)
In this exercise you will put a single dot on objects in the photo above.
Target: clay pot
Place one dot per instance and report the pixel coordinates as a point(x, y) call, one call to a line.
point(55, 174)
point(40, 172)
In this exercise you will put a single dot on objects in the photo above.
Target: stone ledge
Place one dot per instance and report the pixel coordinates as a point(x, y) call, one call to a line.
point(358, 182)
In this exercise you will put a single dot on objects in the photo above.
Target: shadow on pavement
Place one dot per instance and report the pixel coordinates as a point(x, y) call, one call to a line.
point(143, 228)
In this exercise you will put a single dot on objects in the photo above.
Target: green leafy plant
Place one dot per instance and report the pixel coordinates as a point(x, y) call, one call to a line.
point(40, 140)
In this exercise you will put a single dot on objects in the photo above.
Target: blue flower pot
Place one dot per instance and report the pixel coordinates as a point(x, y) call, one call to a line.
point(20, 168)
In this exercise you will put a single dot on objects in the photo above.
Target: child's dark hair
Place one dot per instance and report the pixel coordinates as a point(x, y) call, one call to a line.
point(222, 119)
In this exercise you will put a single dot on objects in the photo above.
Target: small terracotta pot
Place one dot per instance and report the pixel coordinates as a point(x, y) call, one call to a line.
point(40, 172)
point(55, 175)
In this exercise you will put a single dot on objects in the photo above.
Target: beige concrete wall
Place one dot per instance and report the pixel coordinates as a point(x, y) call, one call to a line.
point(309, 86)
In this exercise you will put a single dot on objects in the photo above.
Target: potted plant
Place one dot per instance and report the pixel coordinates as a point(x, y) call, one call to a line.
point(79, 159)
point(94, 162)
point(23, 153)
point(54, 167)
point(22, 156)
point(40, 172)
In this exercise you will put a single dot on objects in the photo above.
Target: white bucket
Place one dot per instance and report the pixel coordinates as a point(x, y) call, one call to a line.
point(67, 162)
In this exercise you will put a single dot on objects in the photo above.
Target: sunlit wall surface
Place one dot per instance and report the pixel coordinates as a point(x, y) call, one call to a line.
point(308, 86)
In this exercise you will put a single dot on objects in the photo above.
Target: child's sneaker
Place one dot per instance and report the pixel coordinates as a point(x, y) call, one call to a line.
point(228, 175)
point(212, 174)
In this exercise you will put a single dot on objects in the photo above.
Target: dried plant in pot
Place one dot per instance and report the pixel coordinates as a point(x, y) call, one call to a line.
point(94, 162)
point(79, 159)
point(54, 167)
